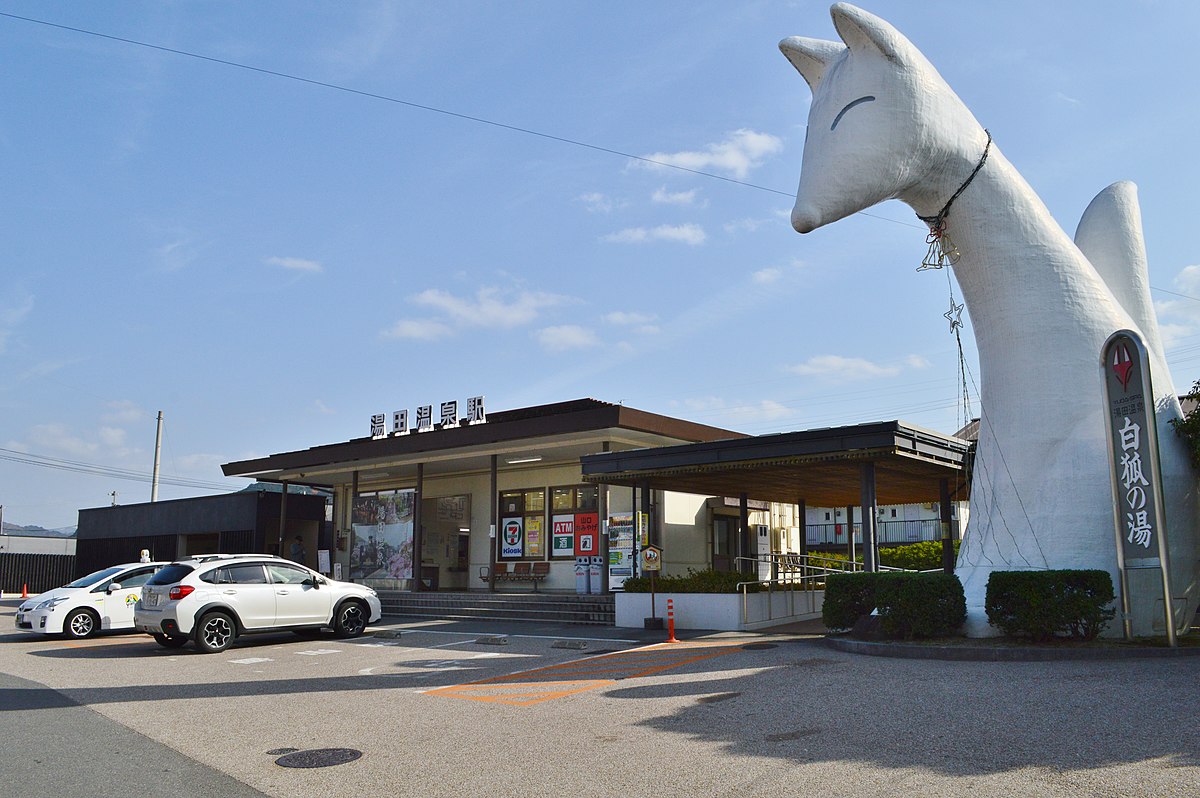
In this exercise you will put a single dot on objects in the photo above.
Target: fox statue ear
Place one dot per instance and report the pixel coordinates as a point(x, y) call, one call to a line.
point(810, 56)
point(860, 31)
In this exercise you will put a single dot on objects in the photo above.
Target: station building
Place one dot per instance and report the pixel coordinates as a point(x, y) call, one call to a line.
point(446, 503)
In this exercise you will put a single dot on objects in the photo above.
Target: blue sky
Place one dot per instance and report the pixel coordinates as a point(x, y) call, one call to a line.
point(269, 261)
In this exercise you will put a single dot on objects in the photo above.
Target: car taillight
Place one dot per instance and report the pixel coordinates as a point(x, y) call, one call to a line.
point(180, 591)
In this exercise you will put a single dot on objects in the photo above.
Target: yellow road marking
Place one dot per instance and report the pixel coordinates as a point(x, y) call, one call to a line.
point(524, 688)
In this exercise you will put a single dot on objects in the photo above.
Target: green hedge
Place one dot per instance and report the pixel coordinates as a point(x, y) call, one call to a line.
point(923, 556)
point(1046, 604)
point(707, 581)
point(909, 605)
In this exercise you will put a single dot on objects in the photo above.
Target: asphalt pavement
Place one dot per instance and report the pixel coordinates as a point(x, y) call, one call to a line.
point(498, 709)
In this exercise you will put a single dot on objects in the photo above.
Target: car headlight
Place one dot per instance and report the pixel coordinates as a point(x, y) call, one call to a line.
point(50, 604)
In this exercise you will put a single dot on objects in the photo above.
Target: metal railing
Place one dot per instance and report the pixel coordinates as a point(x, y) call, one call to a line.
point(795, 573)
point(885, 532)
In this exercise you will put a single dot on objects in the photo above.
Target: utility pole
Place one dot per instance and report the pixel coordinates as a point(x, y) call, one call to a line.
point(157, 459)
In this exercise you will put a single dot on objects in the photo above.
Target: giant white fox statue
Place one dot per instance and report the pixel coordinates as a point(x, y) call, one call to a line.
point(884, 124)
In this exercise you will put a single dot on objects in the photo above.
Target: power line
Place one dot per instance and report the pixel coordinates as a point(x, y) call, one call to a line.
point(418, 106)
point(111, 472)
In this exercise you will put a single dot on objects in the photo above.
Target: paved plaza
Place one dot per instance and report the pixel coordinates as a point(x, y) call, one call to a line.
point(522, 709)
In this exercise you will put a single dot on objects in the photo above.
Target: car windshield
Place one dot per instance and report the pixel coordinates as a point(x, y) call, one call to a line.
point(91, 579)
point(170, 574)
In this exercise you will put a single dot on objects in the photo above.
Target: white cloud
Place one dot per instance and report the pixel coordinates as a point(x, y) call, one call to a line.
point(690, 234)
point(566, 336)
point(734, 414)
point(123, 412)
point(13, 317)
point(748, 225)
point(766, 276)
point(323, 408)
point(1179, 316)
point(112, 437)
point(58, 439)
point(421, 329)
point(845, 369)
point(491, 307)
point(596, 202)
point(740, 152)
point(626, 319)
point(664, 197)
point(295, 264)
point(177, 255)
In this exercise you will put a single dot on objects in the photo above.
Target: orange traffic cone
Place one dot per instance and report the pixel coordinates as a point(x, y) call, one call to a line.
point(25, 591)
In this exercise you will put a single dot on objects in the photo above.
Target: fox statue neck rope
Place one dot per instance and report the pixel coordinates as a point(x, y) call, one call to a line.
point(941, 248)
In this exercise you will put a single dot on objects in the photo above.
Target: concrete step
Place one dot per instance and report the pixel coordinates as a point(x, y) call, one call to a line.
point(549, 607)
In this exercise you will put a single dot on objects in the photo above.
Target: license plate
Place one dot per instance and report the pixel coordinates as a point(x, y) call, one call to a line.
point(149, 599)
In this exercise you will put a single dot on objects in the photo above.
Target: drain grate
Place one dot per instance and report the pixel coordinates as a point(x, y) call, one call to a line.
point(759, 646)
point(318, 758)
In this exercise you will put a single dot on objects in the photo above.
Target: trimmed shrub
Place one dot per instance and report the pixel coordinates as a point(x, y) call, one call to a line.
point(1043, 605)
point(706, 581)
point(920, 605)
point(909, 605)
point(848, 597)
point(923, 556)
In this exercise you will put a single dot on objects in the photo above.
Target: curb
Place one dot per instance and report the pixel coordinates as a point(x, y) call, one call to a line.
point(991, 654)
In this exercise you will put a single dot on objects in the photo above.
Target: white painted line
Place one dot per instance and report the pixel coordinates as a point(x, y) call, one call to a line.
point(318, 652)
point(251, 660)
point(530, 637)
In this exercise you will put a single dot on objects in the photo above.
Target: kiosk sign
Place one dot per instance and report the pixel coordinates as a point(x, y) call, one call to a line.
point(1133, 461)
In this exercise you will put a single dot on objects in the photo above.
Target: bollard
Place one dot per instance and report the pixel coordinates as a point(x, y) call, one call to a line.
point(671, 621)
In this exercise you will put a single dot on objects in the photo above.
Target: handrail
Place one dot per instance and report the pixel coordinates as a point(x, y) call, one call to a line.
point(800, 571)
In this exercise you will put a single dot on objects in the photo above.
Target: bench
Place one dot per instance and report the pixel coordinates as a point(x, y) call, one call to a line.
point(521, 572)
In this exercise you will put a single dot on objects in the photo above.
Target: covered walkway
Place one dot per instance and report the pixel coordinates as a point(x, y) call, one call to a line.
point(863, 465)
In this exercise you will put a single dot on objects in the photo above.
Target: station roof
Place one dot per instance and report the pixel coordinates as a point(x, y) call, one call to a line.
point(822, 467)
point(561, 432)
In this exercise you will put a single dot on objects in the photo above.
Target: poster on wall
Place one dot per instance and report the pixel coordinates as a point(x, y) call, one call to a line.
point(587, 534)
point(533, 536)
point(383, 536)
point(620, 550)
point(562, 536)
point(512, 538)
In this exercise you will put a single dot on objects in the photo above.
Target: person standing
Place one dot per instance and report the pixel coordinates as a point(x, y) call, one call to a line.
point(297, 550)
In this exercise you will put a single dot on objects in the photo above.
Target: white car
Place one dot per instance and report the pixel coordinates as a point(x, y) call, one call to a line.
point(214, 598)
point(101, 600)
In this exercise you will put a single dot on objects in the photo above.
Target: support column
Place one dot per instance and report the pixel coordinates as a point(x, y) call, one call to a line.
point(602, 509)
point(418, 532)
point(350, 542)
point(947, 536)
point(743, 542)
point(494, 499)
point(802, 516)
point(283, 494)
point(850, 531)
point(869, 513)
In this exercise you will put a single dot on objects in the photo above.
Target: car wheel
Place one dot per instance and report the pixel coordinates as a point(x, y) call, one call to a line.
point(214, 632)
point(170, 641)
point(351, 620)
point(80, 624)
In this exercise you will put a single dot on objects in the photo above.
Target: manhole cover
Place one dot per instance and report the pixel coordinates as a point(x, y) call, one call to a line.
point(759, 646)
point(318, 758)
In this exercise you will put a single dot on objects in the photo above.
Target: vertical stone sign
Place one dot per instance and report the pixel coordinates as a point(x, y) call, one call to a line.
point(1134, 466)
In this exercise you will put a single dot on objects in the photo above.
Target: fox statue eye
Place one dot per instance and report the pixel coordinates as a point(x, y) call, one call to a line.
point(849, 105)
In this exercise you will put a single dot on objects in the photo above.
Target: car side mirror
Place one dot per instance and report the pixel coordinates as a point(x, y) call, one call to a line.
point(112, 586)
point(313, 581)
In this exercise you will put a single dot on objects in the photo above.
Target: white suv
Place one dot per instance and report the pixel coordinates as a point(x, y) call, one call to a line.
point(214, 598)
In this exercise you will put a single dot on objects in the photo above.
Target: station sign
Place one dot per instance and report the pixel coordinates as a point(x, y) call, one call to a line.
point(448, 417)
